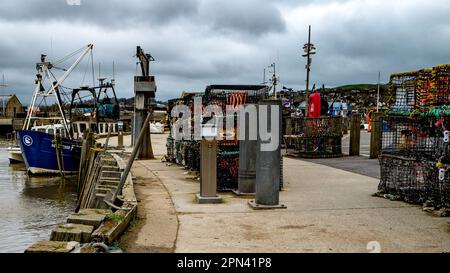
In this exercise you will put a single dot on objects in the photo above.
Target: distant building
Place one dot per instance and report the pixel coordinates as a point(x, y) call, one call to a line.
point(11, 106)
point(12, 114)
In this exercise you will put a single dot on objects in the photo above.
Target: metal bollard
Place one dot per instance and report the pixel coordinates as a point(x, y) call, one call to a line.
point(247, 168)
point(268, 171)
point(208, 173)
point(247, 163)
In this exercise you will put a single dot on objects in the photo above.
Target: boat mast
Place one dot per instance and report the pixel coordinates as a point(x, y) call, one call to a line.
point(44, 70)
point(36, 92)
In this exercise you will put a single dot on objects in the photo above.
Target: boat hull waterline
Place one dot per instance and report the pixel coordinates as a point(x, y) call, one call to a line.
point(15, 155)
point(40, 153)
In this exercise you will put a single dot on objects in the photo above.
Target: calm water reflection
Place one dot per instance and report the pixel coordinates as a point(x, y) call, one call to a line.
point(30, 206)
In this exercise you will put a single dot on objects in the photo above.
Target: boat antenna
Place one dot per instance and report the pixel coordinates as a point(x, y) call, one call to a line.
point(99, 70)
point(113, 81)
point(51, 46)
point(93, 69)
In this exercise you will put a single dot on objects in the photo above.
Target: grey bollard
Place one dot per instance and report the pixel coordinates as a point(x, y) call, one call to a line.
point(247, 168)
point(247, 163)
point(268, 170)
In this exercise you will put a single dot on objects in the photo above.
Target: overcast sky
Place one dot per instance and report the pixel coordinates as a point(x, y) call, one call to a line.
point(201, 42)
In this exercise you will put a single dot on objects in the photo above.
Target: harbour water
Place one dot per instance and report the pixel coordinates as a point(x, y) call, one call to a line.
point(30, 207)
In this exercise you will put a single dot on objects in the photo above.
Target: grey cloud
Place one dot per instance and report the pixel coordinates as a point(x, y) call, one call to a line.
point(109, 14)
point(197, 43)
point(249, 17)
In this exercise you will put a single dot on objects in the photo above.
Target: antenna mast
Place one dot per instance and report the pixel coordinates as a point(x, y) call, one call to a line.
point(274, 79)
point(309, 50)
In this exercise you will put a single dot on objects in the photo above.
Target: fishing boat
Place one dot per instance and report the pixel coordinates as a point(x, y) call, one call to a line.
point(55, 148)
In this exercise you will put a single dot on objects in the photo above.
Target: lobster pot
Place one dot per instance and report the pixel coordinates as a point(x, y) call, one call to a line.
point(402, 88)
point(192, 155)
point(405, 178)
point(232, 96)
point(410, 137)
point(170, 145)
point(320, 127)
point(440, 77)
point(227, 170)
point(315, 137)
point(321, 147)
point(442, 151)
point(318, 147)
point(438, 186)
point(179, 156)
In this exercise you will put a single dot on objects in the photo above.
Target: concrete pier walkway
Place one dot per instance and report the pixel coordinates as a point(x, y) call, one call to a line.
point(329, 210)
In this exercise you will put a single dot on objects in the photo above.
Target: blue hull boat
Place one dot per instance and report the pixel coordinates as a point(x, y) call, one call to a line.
point(41, 156)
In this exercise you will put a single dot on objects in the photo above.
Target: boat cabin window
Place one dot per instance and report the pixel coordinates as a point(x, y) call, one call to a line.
point(101, 130)
point(82, 127)
point(62, 132)
point(75, 128)
point(116, 127)
point(50, 132)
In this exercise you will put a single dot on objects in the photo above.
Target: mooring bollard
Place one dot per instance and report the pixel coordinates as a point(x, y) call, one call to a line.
point(268, 171)
point(355, 135)
point(208, 173)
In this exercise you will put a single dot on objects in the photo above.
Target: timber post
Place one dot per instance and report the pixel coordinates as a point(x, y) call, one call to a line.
point(355, 135)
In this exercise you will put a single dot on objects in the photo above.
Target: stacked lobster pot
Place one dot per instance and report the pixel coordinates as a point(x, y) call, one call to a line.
point(229, 98)
point(415, 139)
point(226, 97)
point(315, 137)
